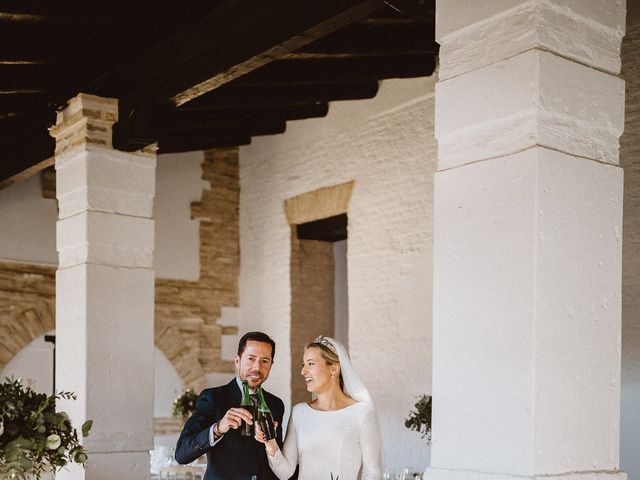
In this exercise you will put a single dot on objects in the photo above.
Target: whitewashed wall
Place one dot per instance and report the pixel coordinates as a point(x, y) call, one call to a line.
point(27, 224)
point(387, 146)
point(177, 248)
point(34, 364)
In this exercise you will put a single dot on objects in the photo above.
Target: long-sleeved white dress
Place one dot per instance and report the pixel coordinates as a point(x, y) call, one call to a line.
point(326, 443)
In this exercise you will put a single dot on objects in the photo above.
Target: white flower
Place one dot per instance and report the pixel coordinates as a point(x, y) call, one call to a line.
point(1, 428)
point(53, 441)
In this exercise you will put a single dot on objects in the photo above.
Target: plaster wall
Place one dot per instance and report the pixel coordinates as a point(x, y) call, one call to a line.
point(27, 224)
point(386, 145)
point(177, 248)
point(34, 364)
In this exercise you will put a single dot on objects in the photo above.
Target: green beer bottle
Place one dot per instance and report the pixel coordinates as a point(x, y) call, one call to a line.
point(247, 430)
point(265, 418)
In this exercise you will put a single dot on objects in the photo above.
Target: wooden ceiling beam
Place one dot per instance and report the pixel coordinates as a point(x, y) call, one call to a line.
point(78, 47)
point(374, 39)
point(139, 127)
point(23, 153)
point(229, 131)
point(57, 81)
point(281, 95)
point(298, 72)
point(191, 119)
point(190, 145)
point(415, 9)
point(232, 41)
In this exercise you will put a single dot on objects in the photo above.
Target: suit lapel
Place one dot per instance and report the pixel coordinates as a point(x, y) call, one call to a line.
point(234, 393)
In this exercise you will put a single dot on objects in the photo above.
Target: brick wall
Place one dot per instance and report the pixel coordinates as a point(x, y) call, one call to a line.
point(312, 302)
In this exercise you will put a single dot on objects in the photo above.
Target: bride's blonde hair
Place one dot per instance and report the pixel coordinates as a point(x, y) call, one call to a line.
point(329, 356)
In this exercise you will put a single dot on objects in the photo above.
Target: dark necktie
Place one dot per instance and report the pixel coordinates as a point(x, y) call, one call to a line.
point(254, 399)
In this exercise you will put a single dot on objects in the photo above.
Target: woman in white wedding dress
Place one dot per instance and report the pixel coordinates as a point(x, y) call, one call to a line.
point(336, 434)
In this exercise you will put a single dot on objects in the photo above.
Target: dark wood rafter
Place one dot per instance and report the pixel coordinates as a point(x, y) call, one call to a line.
point(358, 69)
point(142, 125)
point(215, 51)
point(233, 95)
point(372, 39)
point(198, 75)
point(188, 144)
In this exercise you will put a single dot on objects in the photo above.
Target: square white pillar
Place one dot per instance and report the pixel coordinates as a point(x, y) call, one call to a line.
point(105, 290)
point(527, 241)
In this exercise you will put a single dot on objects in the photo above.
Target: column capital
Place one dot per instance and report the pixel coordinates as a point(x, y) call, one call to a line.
point(87, 119)
point(585, 32)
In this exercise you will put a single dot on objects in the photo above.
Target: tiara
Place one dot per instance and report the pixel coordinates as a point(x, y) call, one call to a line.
point(326, 342)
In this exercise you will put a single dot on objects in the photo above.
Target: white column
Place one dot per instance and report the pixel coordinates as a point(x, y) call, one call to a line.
point(527, 247)
point(105, 289)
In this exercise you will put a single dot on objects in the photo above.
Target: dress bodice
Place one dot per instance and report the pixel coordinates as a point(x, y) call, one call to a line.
point(331, 443)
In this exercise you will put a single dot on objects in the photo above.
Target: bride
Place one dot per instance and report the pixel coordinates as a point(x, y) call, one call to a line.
point(336, 434)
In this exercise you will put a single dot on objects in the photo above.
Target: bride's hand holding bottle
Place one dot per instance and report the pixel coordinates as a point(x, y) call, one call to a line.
point(270, 445)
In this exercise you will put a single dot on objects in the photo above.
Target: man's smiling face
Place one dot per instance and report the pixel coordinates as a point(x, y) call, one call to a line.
point(255, 363)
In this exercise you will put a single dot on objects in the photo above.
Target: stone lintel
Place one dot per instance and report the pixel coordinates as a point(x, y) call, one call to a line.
point(321, 203)
point(568, 28)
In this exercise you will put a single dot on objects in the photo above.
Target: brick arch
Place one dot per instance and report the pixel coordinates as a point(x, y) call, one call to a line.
point(21, 327)
point(184, 359)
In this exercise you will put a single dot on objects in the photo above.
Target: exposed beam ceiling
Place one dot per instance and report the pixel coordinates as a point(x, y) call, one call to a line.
point(201, 74)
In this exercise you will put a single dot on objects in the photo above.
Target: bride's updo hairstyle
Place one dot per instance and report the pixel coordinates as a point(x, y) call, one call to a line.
point(328, 353)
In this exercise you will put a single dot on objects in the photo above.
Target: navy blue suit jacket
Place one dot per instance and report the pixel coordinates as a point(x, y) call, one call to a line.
point(234, 457)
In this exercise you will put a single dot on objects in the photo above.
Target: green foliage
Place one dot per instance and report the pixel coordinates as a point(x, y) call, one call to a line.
point(33, 436)
point(184, 405)
point(420, 417)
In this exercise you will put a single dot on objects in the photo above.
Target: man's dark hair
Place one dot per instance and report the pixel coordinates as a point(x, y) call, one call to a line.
point(256, 337)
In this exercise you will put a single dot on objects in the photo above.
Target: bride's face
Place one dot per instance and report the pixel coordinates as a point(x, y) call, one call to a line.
point(316, 372)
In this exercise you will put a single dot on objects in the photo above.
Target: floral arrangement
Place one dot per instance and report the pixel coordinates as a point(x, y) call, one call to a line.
point(33, 436)
point(420, 417)
point(184, 405)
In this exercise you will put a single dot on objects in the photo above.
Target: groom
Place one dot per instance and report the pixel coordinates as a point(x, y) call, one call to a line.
point(214, 425)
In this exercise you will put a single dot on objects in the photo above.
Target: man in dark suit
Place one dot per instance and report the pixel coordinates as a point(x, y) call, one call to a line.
point(214, 425)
